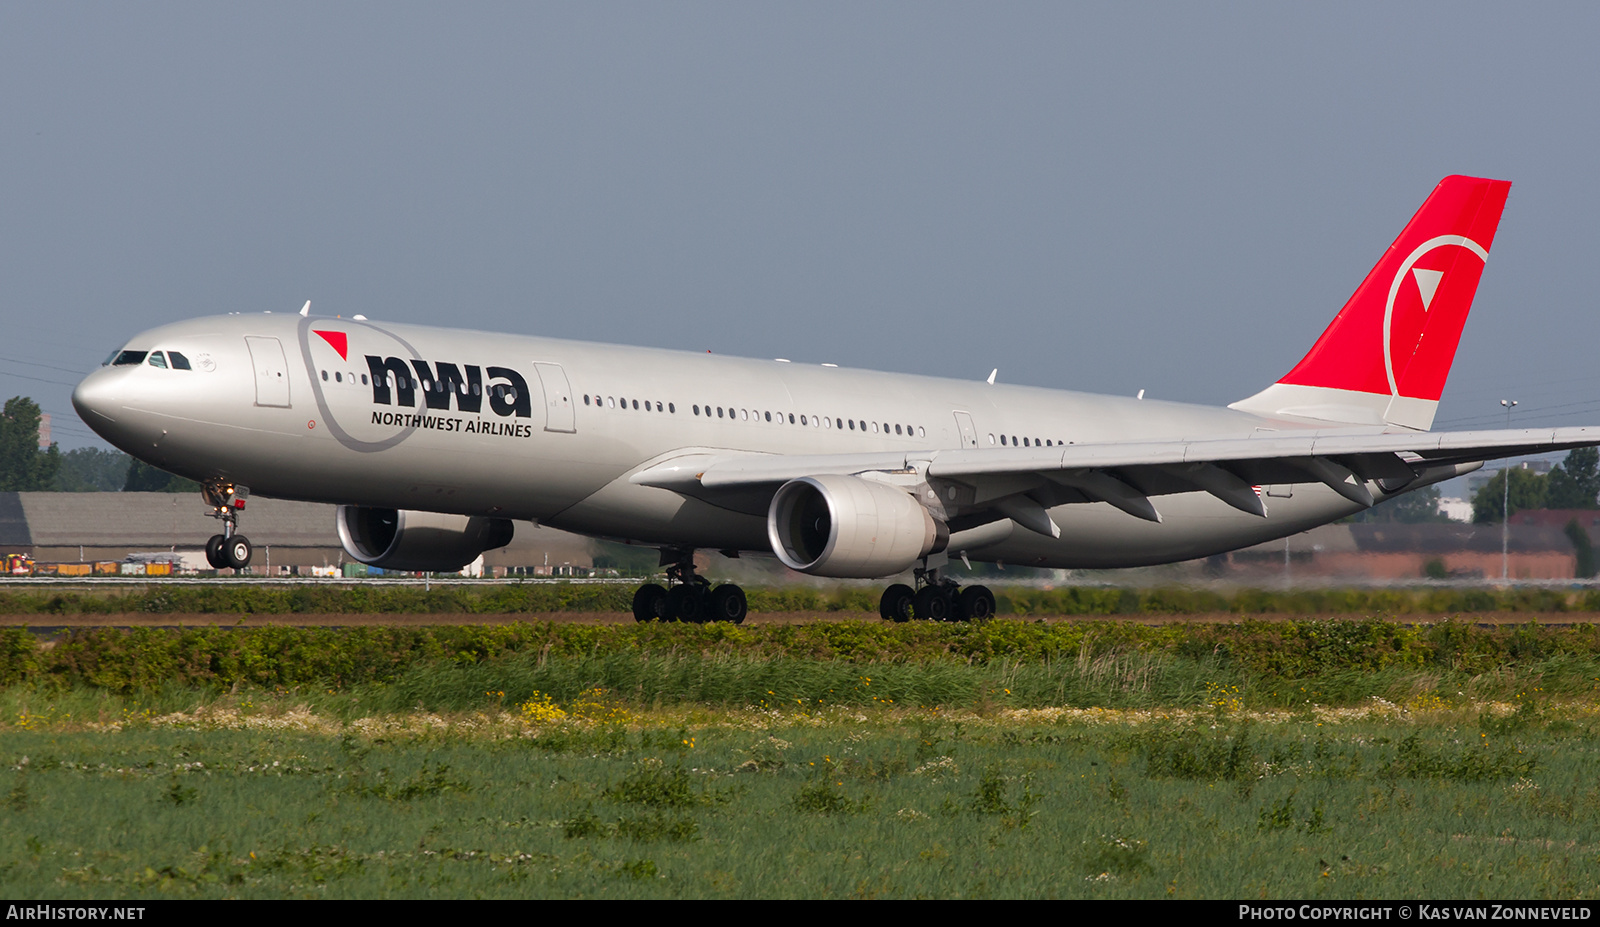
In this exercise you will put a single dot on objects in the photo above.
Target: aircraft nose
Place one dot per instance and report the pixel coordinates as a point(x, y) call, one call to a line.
point(96, 401)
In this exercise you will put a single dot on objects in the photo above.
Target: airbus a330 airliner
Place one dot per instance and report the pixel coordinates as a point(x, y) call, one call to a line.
point(434, 441)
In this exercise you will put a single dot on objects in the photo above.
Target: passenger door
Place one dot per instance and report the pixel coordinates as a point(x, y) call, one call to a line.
point(558, 411)
point(969, 434)
point(271, 371)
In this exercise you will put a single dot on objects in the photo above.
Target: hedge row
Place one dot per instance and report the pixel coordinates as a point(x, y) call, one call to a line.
point(1099, 600)
point(546, 598)
point(126, 660)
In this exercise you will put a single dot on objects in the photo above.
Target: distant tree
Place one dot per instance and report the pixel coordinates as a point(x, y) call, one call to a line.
point(144, 478)
point(1528, 491)
point(1420, 506)
point(90, 469)
point(1575, 482)
point(1582, 549)
point(23, 467)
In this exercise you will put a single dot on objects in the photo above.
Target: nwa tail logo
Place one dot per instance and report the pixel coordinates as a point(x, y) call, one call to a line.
point(396, 382)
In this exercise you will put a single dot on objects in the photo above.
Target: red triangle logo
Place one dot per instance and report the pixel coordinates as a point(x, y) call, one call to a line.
point(340, 342)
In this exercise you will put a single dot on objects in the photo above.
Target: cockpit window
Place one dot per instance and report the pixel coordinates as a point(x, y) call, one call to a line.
point(129, 358)
point(157, 359)
point(179, 362)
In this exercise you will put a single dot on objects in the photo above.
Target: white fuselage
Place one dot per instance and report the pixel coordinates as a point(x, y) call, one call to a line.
point(310, 425)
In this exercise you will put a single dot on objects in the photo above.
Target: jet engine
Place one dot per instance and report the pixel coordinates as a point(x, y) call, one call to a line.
point(396, 539)
point(845, 526)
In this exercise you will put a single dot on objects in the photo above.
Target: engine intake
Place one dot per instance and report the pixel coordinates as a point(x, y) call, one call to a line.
point(397, 539)
point(845, 526)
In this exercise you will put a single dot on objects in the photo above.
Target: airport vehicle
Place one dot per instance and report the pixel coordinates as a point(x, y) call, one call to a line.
point(433, 441)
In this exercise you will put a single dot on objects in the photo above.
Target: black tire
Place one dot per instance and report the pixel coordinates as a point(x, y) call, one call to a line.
point(932, 604)
point(214, 555)
point(686, 603)
point(649, 603)
point(727, 603)
point(237, 550)
point(977, 603)
point(896, 604)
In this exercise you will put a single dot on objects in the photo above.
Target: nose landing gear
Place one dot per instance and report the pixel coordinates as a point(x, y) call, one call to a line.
point(691, 597)
point(228, 549)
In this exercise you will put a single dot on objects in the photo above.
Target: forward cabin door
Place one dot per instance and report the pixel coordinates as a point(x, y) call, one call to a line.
point(969, 434)
point(558, 411)
point(272, 373)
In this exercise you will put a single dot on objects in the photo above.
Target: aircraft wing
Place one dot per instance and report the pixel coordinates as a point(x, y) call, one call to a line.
point(1022, 482)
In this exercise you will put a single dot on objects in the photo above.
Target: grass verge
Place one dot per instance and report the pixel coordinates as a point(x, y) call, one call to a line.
point(256, 794)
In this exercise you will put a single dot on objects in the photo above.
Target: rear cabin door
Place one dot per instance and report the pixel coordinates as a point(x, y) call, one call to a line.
point(558, 410)
point(271, 372)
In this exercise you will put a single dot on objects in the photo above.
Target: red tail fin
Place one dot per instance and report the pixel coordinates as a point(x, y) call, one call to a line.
point(1388, 352)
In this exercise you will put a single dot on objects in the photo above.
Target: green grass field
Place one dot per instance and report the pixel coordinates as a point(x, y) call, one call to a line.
point(256, 796)
point(822, 762)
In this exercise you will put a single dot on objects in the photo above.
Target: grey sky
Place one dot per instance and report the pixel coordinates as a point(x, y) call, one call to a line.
point(1100, 197)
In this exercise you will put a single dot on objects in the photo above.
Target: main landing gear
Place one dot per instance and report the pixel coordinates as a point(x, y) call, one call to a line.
point(936, 598)
point(228, 549)
point(690, 598)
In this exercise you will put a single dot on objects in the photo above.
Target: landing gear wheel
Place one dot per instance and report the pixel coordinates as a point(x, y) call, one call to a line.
point(214, 554)
point(727, 603)
point(977, 603)
point(649, 603)
point(237, 550)
point(896, 603)
point(932, 604)
point(686, 603)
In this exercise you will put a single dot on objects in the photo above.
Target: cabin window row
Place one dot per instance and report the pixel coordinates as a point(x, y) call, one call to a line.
point(342, 377)
point(498, 390)
point(814, 421)
point(612, 402)
point(1012, 441)
point(793, 418)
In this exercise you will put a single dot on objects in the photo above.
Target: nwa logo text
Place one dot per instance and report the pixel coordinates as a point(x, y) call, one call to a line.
point(397, 382)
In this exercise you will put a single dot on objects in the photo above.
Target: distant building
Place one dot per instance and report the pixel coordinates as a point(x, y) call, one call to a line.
point(1377, 552)
point(1588, 519)
point(44, 431)
point(1456, 508)
point(72, 527)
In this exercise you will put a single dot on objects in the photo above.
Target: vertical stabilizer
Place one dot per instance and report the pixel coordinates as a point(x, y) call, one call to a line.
point(1386, 355)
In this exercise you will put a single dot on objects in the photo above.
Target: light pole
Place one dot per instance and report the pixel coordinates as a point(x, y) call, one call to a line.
point(1505, 506)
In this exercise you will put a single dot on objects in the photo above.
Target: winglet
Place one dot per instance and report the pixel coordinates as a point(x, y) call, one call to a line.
point(1385, 357)
point(306, 309)
point(991, 375)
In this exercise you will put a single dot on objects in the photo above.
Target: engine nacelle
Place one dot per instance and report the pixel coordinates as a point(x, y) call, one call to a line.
point(845, 526)
point(396, 539)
